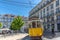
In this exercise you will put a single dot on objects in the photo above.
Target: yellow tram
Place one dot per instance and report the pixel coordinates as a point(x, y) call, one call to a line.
point(35, 29)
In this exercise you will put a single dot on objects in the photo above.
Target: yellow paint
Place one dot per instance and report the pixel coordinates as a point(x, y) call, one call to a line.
point(35, 31)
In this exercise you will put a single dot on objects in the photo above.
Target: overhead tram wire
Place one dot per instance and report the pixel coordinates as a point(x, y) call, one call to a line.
point(28, 6)
point(30, 3)
point(16, 3)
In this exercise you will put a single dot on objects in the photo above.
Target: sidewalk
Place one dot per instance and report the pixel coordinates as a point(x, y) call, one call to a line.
point(57, 38)
point(18, 36)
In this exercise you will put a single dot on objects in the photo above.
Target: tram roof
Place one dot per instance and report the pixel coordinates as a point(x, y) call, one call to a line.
point(36, 20)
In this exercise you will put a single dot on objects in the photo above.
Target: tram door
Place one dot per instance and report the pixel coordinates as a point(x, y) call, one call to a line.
point(58, 26)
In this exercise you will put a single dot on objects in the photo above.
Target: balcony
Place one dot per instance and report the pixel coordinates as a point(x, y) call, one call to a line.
point(58, 21)
point(34, 12)
point(48, 2)
point(31, 13)
point(44, 5)
point(58, 12)
point(33, 18)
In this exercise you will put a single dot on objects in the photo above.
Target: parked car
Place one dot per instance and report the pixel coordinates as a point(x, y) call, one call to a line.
point(5, 31)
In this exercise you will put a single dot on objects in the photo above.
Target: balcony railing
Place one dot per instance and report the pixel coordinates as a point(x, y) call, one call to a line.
point(58, 12)
point(48, 2)
point(33, 18)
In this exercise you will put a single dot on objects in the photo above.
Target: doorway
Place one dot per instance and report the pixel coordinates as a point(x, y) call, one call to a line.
point(58, 27)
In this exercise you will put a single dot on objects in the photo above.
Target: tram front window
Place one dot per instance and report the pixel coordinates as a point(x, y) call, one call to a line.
point(33, 25)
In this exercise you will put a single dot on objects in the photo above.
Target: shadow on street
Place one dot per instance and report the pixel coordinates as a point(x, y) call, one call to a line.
point(25, 38)
point(49, 35)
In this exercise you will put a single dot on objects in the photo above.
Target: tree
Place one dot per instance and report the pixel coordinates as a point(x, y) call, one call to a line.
point(0, 24)
point(17, 23)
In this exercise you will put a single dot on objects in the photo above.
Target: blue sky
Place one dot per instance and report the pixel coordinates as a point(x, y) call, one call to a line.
point(17, 7)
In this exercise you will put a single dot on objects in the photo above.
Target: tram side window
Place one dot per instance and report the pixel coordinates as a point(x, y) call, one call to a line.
point(29, 26)
point(38, 24)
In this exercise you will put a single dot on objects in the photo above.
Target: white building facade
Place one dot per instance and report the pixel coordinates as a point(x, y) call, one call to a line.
point(24, 28)
point(6, 20)
point(49, 11)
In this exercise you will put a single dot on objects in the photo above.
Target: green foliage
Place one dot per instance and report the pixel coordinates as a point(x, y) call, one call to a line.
point(17, 23)
point(0, 24)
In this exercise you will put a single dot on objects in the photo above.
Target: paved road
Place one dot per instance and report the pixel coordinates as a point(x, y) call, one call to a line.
point(47, 36)
point(24, 36)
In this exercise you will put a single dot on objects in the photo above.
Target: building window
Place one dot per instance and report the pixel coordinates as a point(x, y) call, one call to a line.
point(57, 10)
point(51, 6)
point(41, 14)
point(41, 6)
point(36, 10)
point(48, 8)
point(47, 13)
point(44, 12)
point(58, 26)
point(57, 3)
point(58, 17)
point(52, 25)
point(44, 4)
point(52, 12)
point(48, 26)
point(47, 20)
point(52, 19)
point(48, 1)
